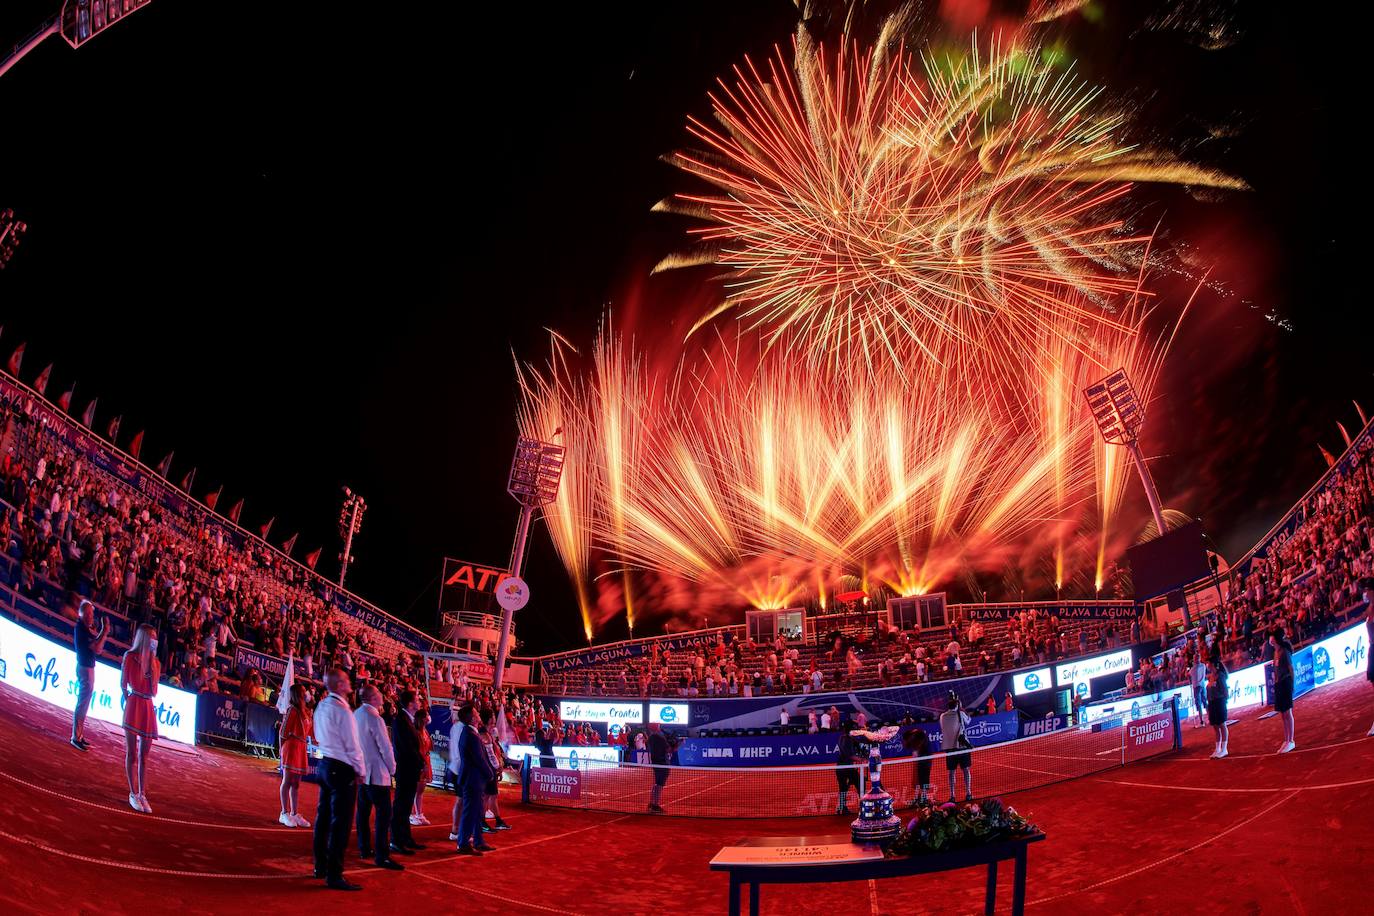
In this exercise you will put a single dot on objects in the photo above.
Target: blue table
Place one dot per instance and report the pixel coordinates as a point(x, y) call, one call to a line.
point(823, 859)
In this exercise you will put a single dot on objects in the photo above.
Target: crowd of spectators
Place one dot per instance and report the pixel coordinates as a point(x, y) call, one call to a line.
point(1307, 581)
point(70, 530)
point(878, 656)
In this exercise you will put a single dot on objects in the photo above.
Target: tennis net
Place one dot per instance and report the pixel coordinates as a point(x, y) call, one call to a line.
point(800, 791)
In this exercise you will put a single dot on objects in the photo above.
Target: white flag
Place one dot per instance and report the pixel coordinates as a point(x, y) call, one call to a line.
point(284, 698)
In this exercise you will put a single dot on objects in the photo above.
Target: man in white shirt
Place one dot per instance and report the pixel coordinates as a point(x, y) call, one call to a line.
point(783, 717)
point(379, 764)
point(336, 733)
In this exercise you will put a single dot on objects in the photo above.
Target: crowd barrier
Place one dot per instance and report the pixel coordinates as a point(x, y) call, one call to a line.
point(800, 791)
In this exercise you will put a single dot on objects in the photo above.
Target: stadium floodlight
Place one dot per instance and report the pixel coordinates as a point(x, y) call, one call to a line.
point(535, 473)
point(350, 520)
point(1120, 418)
point(11, 234)
point(78, 22)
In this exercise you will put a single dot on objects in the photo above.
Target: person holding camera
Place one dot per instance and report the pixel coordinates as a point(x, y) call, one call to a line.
point(956, 745)
point(88, 641)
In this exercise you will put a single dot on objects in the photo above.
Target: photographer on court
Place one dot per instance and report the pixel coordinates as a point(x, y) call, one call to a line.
point(956, 745)
point(88, 641)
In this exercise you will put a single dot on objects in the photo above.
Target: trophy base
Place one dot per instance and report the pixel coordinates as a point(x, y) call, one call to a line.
point(882, 831)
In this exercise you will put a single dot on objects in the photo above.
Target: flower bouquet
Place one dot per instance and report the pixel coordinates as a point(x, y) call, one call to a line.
point(938, 828)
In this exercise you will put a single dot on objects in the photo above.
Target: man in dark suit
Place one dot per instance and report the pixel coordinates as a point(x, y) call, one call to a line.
point(474, 772)
point(409, 765)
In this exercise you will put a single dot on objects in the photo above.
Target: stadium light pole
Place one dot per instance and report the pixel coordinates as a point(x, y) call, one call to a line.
point(350, 520)
point(78, 22)
point(11, 234)
point(535, 472)
point(1119, 418)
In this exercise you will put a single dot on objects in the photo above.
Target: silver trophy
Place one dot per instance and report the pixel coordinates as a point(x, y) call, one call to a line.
point(876, 822)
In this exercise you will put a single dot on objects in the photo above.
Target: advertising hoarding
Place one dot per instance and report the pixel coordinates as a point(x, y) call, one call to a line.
point(1085, 669)
point(1024, 682)
point(627, 712)
point(46, 671)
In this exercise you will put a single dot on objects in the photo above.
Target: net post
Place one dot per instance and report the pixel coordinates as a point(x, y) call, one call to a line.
point(1178, 731)
point(525, 780)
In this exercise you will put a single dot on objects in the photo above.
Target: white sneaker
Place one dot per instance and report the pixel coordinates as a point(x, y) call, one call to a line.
point(286, 820)
point(1371, 730)
point(414, 821)
point(300, 821)
point(1221, 753)
point(453, 837)
point(1288, 746)
point(143, 804)
point(133, 803)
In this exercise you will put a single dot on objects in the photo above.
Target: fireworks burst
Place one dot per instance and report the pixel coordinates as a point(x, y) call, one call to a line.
point(874, 208)
point(928, 263)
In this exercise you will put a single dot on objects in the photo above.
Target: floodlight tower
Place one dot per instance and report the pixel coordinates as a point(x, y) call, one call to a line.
point(78, 22)
point(535, 473)
point(1119, 418)
point(350, 521)
point(11, 234)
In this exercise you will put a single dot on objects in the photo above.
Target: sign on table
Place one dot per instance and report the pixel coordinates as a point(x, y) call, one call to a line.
point(827, 850)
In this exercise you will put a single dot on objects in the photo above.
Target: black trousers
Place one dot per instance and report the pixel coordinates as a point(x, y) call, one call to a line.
point(334, 817)
point(377, 842)
point(406, 786)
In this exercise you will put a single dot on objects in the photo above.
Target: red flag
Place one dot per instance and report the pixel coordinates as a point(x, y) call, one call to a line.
point(40, 384)
point(165, 465)
point(313, 557)
point(189, 479)
point(64, 403)
point(289, 544)
point(136, 445)
point(234, 512)
point(112, 431)
point(16, 360)
point(1330, 459)
point(266, 528)
point(212, 498)
point(88, 417)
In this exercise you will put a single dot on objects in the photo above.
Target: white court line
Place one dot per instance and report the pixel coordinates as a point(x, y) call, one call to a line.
point(1154, 785)
point(125, 809)
point(543, 839)
point(147, 869)
point(473, 890)
point(1298, 750)
point(1183, 852)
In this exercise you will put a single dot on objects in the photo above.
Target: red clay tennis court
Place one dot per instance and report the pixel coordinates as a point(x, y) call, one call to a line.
point(1255, 833)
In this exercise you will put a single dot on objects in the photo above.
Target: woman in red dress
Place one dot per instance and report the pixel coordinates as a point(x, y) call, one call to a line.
point(295, 762)
point(138, 684)
point(417, 812)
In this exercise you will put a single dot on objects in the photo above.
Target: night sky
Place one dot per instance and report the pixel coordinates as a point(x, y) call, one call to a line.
point(300, 248)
